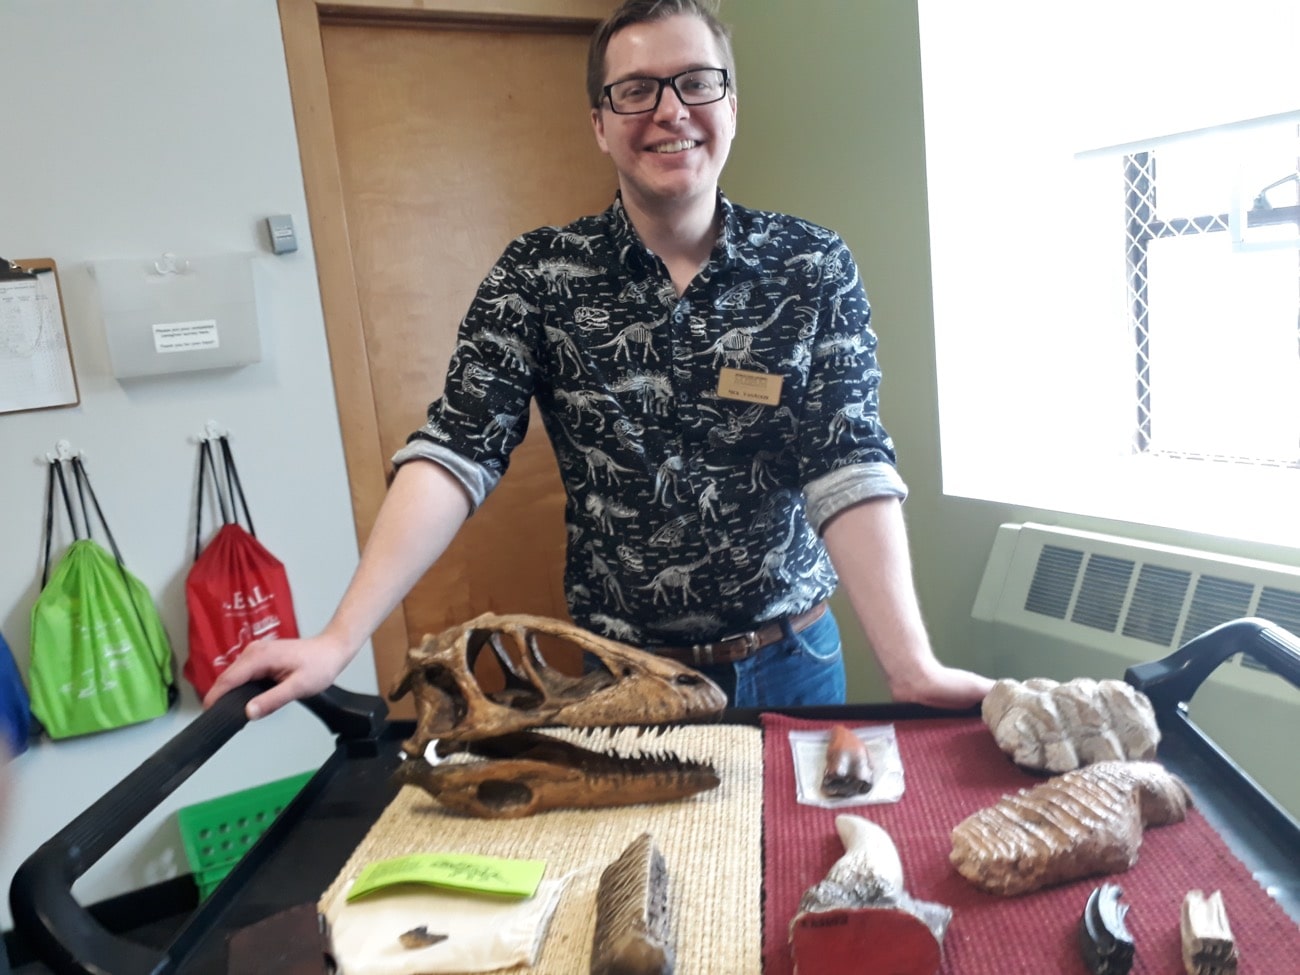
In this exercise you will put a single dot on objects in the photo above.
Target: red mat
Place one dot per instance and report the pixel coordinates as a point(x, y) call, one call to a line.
point(953, 768)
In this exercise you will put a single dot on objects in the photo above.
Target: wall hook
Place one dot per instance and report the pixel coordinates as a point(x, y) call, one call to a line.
point(63, 451)
point(170, 263)
point(212, 430)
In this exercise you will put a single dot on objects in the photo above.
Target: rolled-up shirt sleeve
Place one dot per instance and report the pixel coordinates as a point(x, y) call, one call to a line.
point(846, 486)
point(845, 454)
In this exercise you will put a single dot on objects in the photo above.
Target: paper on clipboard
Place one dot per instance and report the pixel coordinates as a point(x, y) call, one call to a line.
point(35, 362)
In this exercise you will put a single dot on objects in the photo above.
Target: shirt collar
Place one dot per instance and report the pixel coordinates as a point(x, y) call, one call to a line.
point(633, 253)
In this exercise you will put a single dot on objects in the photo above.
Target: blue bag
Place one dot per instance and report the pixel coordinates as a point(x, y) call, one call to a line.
point(15, 707)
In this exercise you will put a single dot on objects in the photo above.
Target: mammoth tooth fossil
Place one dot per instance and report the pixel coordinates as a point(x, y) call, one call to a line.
point(632, 687)
point(529, 772)
point(1088, 821)
point(632, 920)
point(861, 910)
point(1047, 726)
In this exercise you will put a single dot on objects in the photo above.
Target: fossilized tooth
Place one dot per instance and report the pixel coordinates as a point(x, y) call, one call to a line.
point(529, 772)
point(1047, 726)
point(1208, 946)
point(635, 687)
point(632, 934)
point(861, 910)
point(848, 766)
point(1084, 822)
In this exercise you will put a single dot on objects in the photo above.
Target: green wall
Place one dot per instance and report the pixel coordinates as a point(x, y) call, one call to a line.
point(830, 128)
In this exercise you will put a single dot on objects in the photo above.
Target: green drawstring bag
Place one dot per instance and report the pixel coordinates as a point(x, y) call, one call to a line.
point(100, 657)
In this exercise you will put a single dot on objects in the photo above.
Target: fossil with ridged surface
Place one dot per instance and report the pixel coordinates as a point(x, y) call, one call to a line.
point(1045, 725)
point(632, 920)
point(1208, 945)
point(1085, 822)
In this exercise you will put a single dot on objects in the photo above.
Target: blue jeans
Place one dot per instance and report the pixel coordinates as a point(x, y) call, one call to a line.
point(799, 669)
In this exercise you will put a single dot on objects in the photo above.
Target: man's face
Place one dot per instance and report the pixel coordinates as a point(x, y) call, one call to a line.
point(671, 156)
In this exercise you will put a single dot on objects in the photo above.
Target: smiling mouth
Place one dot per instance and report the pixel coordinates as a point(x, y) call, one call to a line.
point(681, 145)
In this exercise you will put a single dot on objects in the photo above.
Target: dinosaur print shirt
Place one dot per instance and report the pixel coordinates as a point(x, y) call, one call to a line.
point(691, 515)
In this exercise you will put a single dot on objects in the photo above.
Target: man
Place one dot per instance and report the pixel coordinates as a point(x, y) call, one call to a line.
point(707, 377)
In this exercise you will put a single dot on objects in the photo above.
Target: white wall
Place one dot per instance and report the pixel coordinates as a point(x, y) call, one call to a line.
point(148, 126)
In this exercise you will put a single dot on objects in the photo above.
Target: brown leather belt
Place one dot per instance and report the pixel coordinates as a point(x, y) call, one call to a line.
point(738, 646)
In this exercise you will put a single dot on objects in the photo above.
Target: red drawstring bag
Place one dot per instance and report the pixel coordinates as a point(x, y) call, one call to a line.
point(236, 591)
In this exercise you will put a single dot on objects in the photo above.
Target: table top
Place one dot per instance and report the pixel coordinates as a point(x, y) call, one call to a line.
point(303, 851)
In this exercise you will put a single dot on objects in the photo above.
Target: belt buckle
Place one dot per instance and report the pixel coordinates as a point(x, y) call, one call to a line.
point(705, 650)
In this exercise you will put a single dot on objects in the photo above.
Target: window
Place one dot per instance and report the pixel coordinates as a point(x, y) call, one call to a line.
point(1115, 255)
point(1215, 321)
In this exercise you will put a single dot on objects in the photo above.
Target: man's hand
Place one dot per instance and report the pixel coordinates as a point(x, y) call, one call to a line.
point(868, 544)
point(941, 687)
point(300, 669)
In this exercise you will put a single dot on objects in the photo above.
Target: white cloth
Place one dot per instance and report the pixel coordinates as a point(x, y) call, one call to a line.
point(484, 933)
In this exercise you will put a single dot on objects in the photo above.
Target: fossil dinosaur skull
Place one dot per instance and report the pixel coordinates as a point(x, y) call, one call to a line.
point(516, 772)
point(635, 687)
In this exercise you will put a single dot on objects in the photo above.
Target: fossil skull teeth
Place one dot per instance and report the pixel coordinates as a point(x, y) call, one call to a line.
point(632, 686)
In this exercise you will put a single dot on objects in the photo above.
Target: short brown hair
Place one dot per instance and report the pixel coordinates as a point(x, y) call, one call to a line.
point(650, 11)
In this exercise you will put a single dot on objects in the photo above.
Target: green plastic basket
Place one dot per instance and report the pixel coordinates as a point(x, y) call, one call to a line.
point(217, 833)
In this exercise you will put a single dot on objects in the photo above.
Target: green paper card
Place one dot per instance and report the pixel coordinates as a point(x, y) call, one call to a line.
point(460, 871)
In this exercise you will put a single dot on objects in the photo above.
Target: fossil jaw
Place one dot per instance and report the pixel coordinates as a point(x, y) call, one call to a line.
point(528, 772)
point(514, 772)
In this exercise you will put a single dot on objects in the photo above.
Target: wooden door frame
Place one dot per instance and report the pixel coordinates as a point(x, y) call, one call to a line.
point(301, 22)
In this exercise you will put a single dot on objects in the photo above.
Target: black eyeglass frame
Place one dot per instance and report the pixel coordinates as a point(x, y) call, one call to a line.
point(663, 83)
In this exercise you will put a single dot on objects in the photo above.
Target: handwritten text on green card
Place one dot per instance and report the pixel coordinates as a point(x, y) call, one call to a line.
point(462, 871)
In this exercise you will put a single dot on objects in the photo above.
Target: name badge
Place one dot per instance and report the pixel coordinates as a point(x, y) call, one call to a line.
point(751, 387)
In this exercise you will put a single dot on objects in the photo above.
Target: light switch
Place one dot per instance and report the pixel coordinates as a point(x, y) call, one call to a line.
point(280, 229)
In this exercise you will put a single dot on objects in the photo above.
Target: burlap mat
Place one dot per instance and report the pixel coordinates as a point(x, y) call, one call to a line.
point(712, 844)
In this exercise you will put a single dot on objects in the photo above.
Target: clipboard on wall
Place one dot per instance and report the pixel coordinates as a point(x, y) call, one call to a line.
point(36, 371)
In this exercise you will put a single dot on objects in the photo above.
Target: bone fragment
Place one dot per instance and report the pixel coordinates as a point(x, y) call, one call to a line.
point(632, 921)
point(420, 937)
point(848, 765)
point(1048, 726)
point(1084, 822)
point(860, 910)
point(1208, 946)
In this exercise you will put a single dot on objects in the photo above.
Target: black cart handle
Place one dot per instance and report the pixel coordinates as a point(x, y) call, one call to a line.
point(64, 934)
point(1170, 682)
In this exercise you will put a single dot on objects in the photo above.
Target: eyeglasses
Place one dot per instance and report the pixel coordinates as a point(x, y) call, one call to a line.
point(699, 86)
